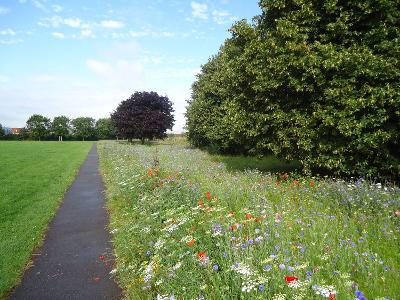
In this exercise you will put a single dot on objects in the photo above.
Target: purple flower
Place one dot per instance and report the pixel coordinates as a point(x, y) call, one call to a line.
point(360, 295)
point(267, 267)
point(282, 267)
point(309, 273)
point(243, 246)
point(276, 247)
point(290, 268)
point(215, 267)
point(261, 287)
point(251, 242)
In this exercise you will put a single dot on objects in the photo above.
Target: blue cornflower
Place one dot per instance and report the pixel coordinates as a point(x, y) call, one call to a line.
point(276, 247)
point(309, 273)
point(267, 267)
point(302, 249)
point(225, 254)
point(215, 267)
point(261, 287)
point(360, 295)
point(148, 252)
point(282, 267)
point(290, 268)
point(243, 246)
point(251, 242)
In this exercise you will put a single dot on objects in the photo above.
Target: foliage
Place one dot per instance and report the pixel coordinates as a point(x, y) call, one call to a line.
point(84, 127)
point(312, 80)
point(203, 232)
point(61, 126)
point(145, 115)
point(33, 179)
point(2, 132)
point(105, 129)
point(38, 126)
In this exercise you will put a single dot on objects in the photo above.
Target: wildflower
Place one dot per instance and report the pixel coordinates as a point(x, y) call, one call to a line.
point(397, 213)
point(261, 288)
point(249, 216)
point(231, 214)
point(267, 267)
point(148, 252)
point(208, 196)
point(191, 242)
point(150, 172)
point(215, 267)
point(312, 184)
point(102, 257)
point(290, 279)
point(233, 227)
point(290, 269)
point(282, 267)
point(201, 255)
point(200, 202)
point(360, 295)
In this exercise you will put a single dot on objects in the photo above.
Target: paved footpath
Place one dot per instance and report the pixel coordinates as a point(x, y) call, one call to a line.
point(76, 257)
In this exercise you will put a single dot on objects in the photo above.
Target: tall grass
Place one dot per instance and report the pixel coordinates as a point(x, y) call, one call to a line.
point(186, 227)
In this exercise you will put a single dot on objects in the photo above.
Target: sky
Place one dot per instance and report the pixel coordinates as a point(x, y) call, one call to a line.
point(82, 58)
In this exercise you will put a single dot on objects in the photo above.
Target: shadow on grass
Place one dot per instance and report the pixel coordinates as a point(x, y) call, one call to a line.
point(268, 163)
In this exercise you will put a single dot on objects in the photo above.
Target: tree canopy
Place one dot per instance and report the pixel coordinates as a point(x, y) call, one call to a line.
point(38, 126)
point(105, 129)
point(61, 126)
point(315, 81)
point(84, 127)
point(145, 115)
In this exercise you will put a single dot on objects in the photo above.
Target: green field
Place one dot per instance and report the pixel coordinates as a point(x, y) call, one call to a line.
point(33, 179)
point(187, 225)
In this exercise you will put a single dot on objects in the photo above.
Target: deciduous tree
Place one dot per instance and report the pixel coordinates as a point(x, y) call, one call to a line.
point(38, 126)
point(145, 115)
point(83, 127)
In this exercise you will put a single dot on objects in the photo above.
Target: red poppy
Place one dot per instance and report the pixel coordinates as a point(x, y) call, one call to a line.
point(312, 184)
point(191, 242)
point(331, 296)
point(201, 255)
point(150, 172)
point(102, 257)
point(249, 216)
point(208, 196)
point(289, 279)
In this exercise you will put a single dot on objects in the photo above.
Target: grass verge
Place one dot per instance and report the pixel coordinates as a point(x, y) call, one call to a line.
point(186, 227)
point(33, 179)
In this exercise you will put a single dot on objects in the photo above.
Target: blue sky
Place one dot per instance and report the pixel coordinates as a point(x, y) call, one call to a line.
point(82, 58)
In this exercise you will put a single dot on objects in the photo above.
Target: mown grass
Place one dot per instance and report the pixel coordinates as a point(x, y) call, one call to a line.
point(186, 227)
point(268, 163)
point(33, 179)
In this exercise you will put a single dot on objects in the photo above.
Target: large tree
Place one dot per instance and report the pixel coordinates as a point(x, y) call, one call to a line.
point(60, 126)
point(105, 129)
point(38, 126)
point(83, 127)
point(145, 115)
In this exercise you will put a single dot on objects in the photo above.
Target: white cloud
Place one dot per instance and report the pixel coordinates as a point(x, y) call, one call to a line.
point(112, 24)
point(199, 10)
point(57, 8)
point(4, 10)
point(73, 22)
point(11, 42)
point(87, 33)
point(100, 68)
point(222, 17)
point(39, 4)
point(58, 35)
point(4, 78)
point(7, 31)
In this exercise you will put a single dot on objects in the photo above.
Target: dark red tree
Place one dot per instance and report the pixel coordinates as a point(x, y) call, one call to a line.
point(145, 115)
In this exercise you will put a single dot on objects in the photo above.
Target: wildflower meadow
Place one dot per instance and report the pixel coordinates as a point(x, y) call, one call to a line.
point(185, 227)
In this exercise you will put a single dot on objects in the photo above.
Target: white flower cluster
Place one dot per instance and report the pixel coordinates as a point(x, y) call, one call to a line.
point(241, 269)
point(249, 285)
point(279, 297)
point(324, 290)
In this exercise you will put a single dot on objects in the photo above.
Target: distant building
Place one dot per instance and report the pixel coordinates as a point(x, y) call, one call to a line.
point(16, 131)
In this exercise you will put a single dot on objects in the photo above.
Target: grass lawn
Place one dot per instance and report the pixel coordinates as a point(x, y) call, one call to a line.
point(33, 179)
point(188, 227)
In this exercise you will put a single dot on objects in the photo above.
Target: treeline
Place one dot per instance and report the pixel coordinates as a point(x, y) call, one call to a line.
point(316, 81)
point(39, 127)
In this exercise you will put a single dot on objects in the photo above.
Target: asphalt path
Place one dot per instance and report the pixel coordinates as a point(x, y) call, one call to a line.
point(76, 257)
